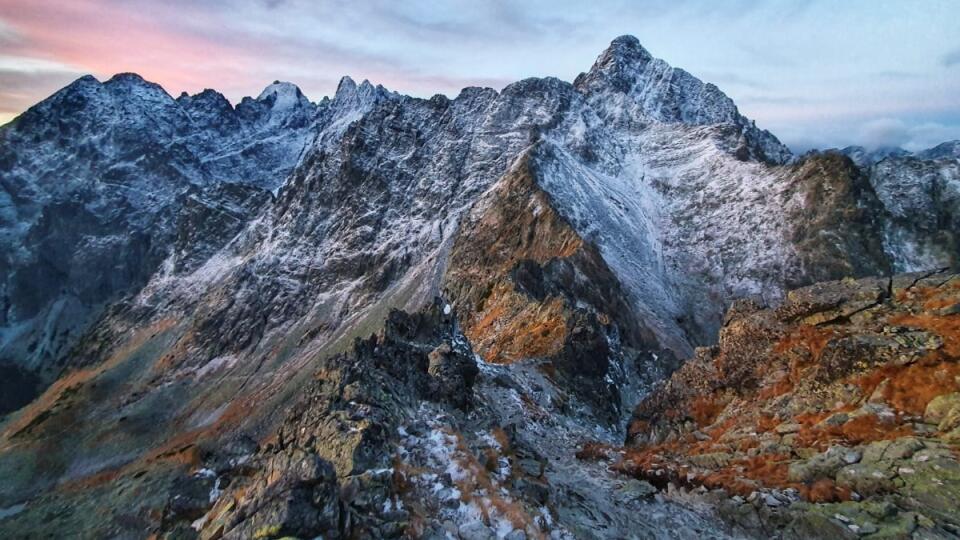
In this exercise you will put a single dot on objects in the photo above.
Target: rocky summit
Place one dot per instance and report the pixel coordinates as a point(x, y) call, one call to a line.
point(611, 308)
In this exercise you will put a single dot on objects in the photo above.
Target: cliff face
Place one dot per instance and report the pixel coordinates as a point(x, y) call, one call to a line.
point(530, 287)
point(835, 413)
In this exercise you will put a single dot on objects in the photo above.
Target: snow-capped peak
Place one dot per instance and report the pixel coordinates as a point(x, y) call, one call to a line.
point(285, 95)
point(949, 149)
point(346, 86)
point(620, 60)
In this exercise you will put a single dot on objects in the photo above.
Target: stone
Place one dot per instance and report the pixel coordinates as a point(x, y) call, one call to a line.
point(852, 456)
point(951, 420)
point(823, 465)
point(866, 479)
point(638, 489)
point(941, 406)
point(901, 448)
point(475, 530)
point(713, 460)
point(788, 427)
point(837, 419)
point(770, 500)
point(531, 467)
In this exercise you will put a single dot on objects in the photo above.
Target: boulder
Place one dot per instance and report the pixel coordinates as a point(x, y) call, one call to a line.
point(452, 373)
point(823, 465)
point(901, 448)
point(866, 478)
point(943, 407)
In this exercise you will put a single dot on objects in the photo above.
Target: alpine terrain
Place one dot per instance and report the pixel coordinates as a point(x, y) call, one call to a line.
point(611, 308)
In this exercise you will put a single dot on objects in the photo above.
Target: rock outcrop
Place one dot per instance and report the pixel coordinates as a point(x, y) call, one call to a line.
point(833, 414)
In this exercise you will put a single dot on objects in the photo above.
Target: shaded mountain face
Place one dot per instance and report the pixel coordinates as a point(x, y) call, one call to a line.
point(187, 281)
point(100, 184)
point(920, 194)
point(864, 157)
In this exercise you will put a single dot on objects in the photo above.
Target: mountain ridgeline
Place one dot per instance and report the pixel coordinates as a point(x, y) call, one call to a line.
point(379, 315)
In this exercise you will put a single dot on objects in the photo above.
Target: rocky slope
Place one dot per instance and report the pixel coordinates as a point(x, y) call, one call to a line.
point(835, 414)
point(582, 238)
point(919, 192)
point(94, 185)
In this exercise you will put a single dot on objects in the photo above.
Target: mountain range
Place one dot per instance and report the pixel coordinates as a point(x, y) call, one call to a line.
point(380, 315)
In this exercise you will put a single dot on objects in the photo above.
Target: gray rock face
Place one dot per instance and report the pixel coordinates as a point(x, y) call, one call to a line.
point(865, 158)
point(659, 92)
point(922, 203)
point(918, 192)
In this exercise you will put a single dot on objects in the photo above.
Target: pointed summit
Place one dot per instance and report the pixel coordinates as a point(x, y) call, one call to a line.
point(85, 84)
point(617, 65)
point(345, 87)
point(133, 83)
point(284, 95)
point(652, 90)
point(626, 47)
point(949, 149)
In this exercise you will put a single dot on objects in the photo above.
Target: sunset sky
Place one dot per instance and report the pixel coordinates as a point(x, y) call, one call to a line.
point(817, 74)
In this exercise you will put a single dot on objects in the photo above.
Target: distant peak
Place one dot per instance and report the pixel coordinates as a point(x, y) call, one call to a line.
point(133, 81)
point(626, 48)
point(207, 96)
point(617, 66)
point(209, 93)
point(283, 96)
point(626, 41)
point(87, 81)
point(85, 85)
point(129, 78)
point(949, 149)
point(346, 85)
point(281, 88)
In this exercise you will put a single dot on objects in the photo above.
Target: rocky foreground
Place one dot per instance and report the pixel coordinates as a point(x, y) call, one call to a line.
point(405, 436)
point(836, 414)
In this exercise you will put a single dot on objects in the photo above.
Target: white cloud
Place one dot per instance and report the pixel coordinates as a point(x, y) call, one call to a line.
point(913, 137)
point(33, 65)
point(884, 132)
point(951, 59)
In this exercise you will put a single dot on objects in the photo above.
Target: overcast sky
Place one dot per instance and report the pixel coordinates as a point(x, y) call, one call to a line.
point(815, 73)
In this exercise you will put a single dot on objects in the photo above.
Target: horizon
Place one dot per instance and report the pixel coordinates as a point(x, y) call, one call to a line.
point(871, 74)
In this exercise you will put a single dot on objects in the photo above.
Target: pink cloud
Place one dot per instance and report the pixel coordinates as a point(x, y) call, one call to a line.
point(105, 38)
point(191, 46)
